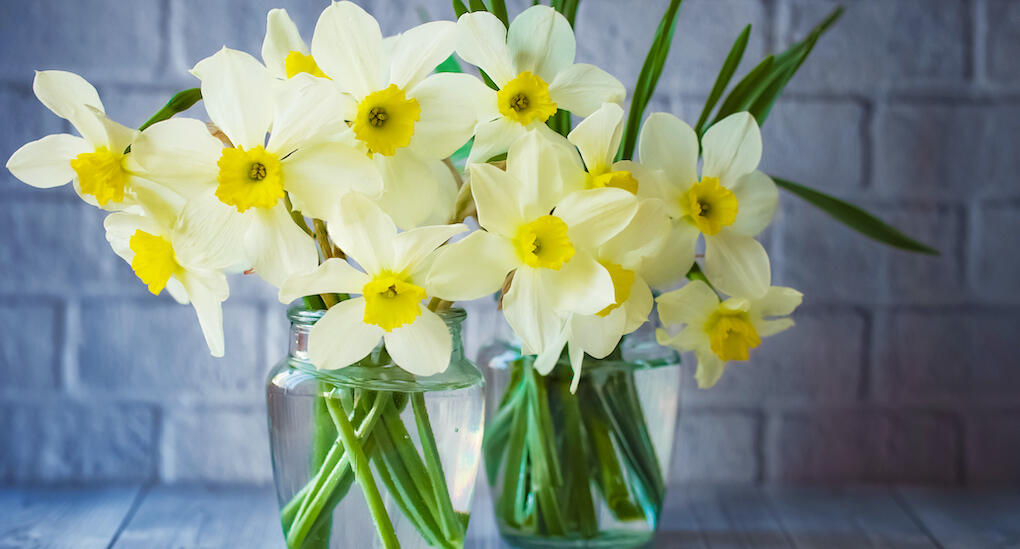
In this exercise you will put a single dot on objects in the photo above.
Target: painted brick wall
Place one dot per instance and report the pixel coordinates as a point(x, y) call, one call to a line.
point(902, 368)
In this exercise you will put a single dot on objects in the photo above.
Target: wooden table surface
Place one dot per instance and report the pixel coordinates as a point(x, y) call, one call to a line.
point(154, 517)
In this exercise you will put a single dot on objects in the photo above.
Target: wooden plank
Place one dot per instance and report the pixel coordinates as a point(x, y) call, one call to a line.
point(204, 518)
point(851, 518)
point(64, 518)
point(720, 517)
point(967, 519)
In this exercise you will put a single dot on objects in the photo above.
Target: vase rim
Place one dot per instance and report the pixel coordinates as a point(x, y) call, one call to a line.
point(298, 314)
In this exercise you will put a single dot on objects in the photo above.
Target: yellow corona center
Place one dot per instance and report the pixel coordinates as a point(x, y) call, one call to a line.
point(623, 279)
point(154, 260)
point(249, 178)
point(101, 174)
point(391, 301)
point(711, 206)
point(525, 99)
point(620, 179)
point(296, 63)
point(731, 334)
point(544, 243)
point(385, 120)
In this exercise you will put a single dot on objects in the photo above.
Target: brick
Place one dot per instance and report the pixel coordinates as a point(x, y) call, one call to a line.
point(924, 278)
point(817, 143)
point(216, 445)
point(907, 42)
point(53, 244)
point(826, 260)
point(616, 37)
point(998, 269)
point(716, 446)
point(819, 359)
point(31, 346)
point(994, 448)
point(864, 445)
point(62, 441)
point(947, 150)
point(955, 354)
point(1003, 40)
point(101, 39)
point(153, 348)
point(24, 119)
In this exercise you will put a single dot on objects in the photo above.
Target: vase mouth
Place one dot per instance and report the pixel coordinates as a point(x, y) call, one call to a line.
point(299, 315)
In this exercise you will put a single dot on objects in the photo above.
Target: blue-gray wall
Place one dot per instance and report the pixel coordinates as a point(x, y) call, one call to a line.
point(901, 367)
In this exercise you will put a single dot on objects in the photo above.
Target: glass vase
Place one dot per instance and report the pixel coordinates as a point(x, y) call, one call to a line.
point(583, 469)
point(371, 455)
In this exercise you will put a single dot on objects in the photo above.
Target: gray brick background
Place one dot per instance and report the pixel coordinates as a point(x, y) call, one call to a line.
point(901, 368)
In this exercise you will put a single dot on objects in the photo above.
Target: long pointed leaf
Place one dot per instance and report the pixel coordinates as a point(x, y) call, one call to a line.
point(856, 218)
point(725, 74)
point(459, 8)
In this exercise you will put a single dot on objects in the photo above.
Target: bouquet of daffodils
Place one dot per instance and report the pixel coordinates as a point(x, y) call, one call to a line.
point(380, 179)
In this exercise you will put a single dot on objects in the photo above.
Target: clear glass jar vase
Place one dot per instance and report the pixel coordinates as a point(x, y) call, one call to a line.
point(371, 455)
point(583, 469)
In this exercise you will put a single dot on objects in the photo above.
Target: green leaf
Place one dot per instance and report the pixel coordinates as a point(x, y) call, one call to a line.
point(477, 5)
point(450, 64)
point(856, 218)
point(499, 10)
point(725, 74)
point(568, 8)
point(180, 102)
point(743, 94)
point(459, 8)
point(560, 122)
point(649, 77)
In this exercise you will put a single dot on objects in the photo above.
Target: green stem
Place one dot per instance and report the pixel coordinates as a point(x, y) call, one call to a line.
point(447, 515)
point(364, 475)
point(580, 508)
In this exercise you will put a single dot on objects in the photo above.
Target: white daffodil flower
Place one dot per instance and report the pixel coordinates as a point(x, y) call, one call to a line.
point(540, 223)
point(392, 287)
point(729, 204)
point(237, 194)
point(597, 138)
point(146, 238)
point(284, 52)
point(404, 117)
point(533, 66)
point(720, 332)
point(95, 162)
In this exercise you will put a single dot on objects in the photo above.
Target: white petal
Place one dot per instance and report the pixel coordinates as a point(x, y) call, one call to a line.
point(548, 168)
point(526, 308)
point(497, 197)
point(120, 227)
point(582, 286)
point(767, 328)
point(341, 337)
point(710, 369)
point(737, 264)
point(237, 92)
point(473, 267)
point(638, 306)
point(212, 231)
point(179, 153)
point(691, 304)
point(547, 359)
point(411, 247)
point(282, 37)
point(333, 276)
point(482, 42)
point(643, 236)
point(675, 257)
point(596, 215)
point(598, 335)
point(598, 137)
point(69, 96)
point(450, 104)
point(731, 148)
point(494, 138)
point(669, 144)
point(757, 198)
point(418, 51)
point(347, 46)
point(583, 88)
point(541, 41)
point(445, 200)
point(778, 301)
point(364, 232)
point(576, 356)
point(207, 290)
point(422, 347)
point(317, 176)
point(277, 247)
point(307, 109)
point(46, 163)
point(410, 188)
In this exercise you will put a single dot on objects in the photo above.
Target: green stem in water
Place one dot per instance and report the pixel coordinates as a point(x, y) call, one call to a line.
point(447, 516)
